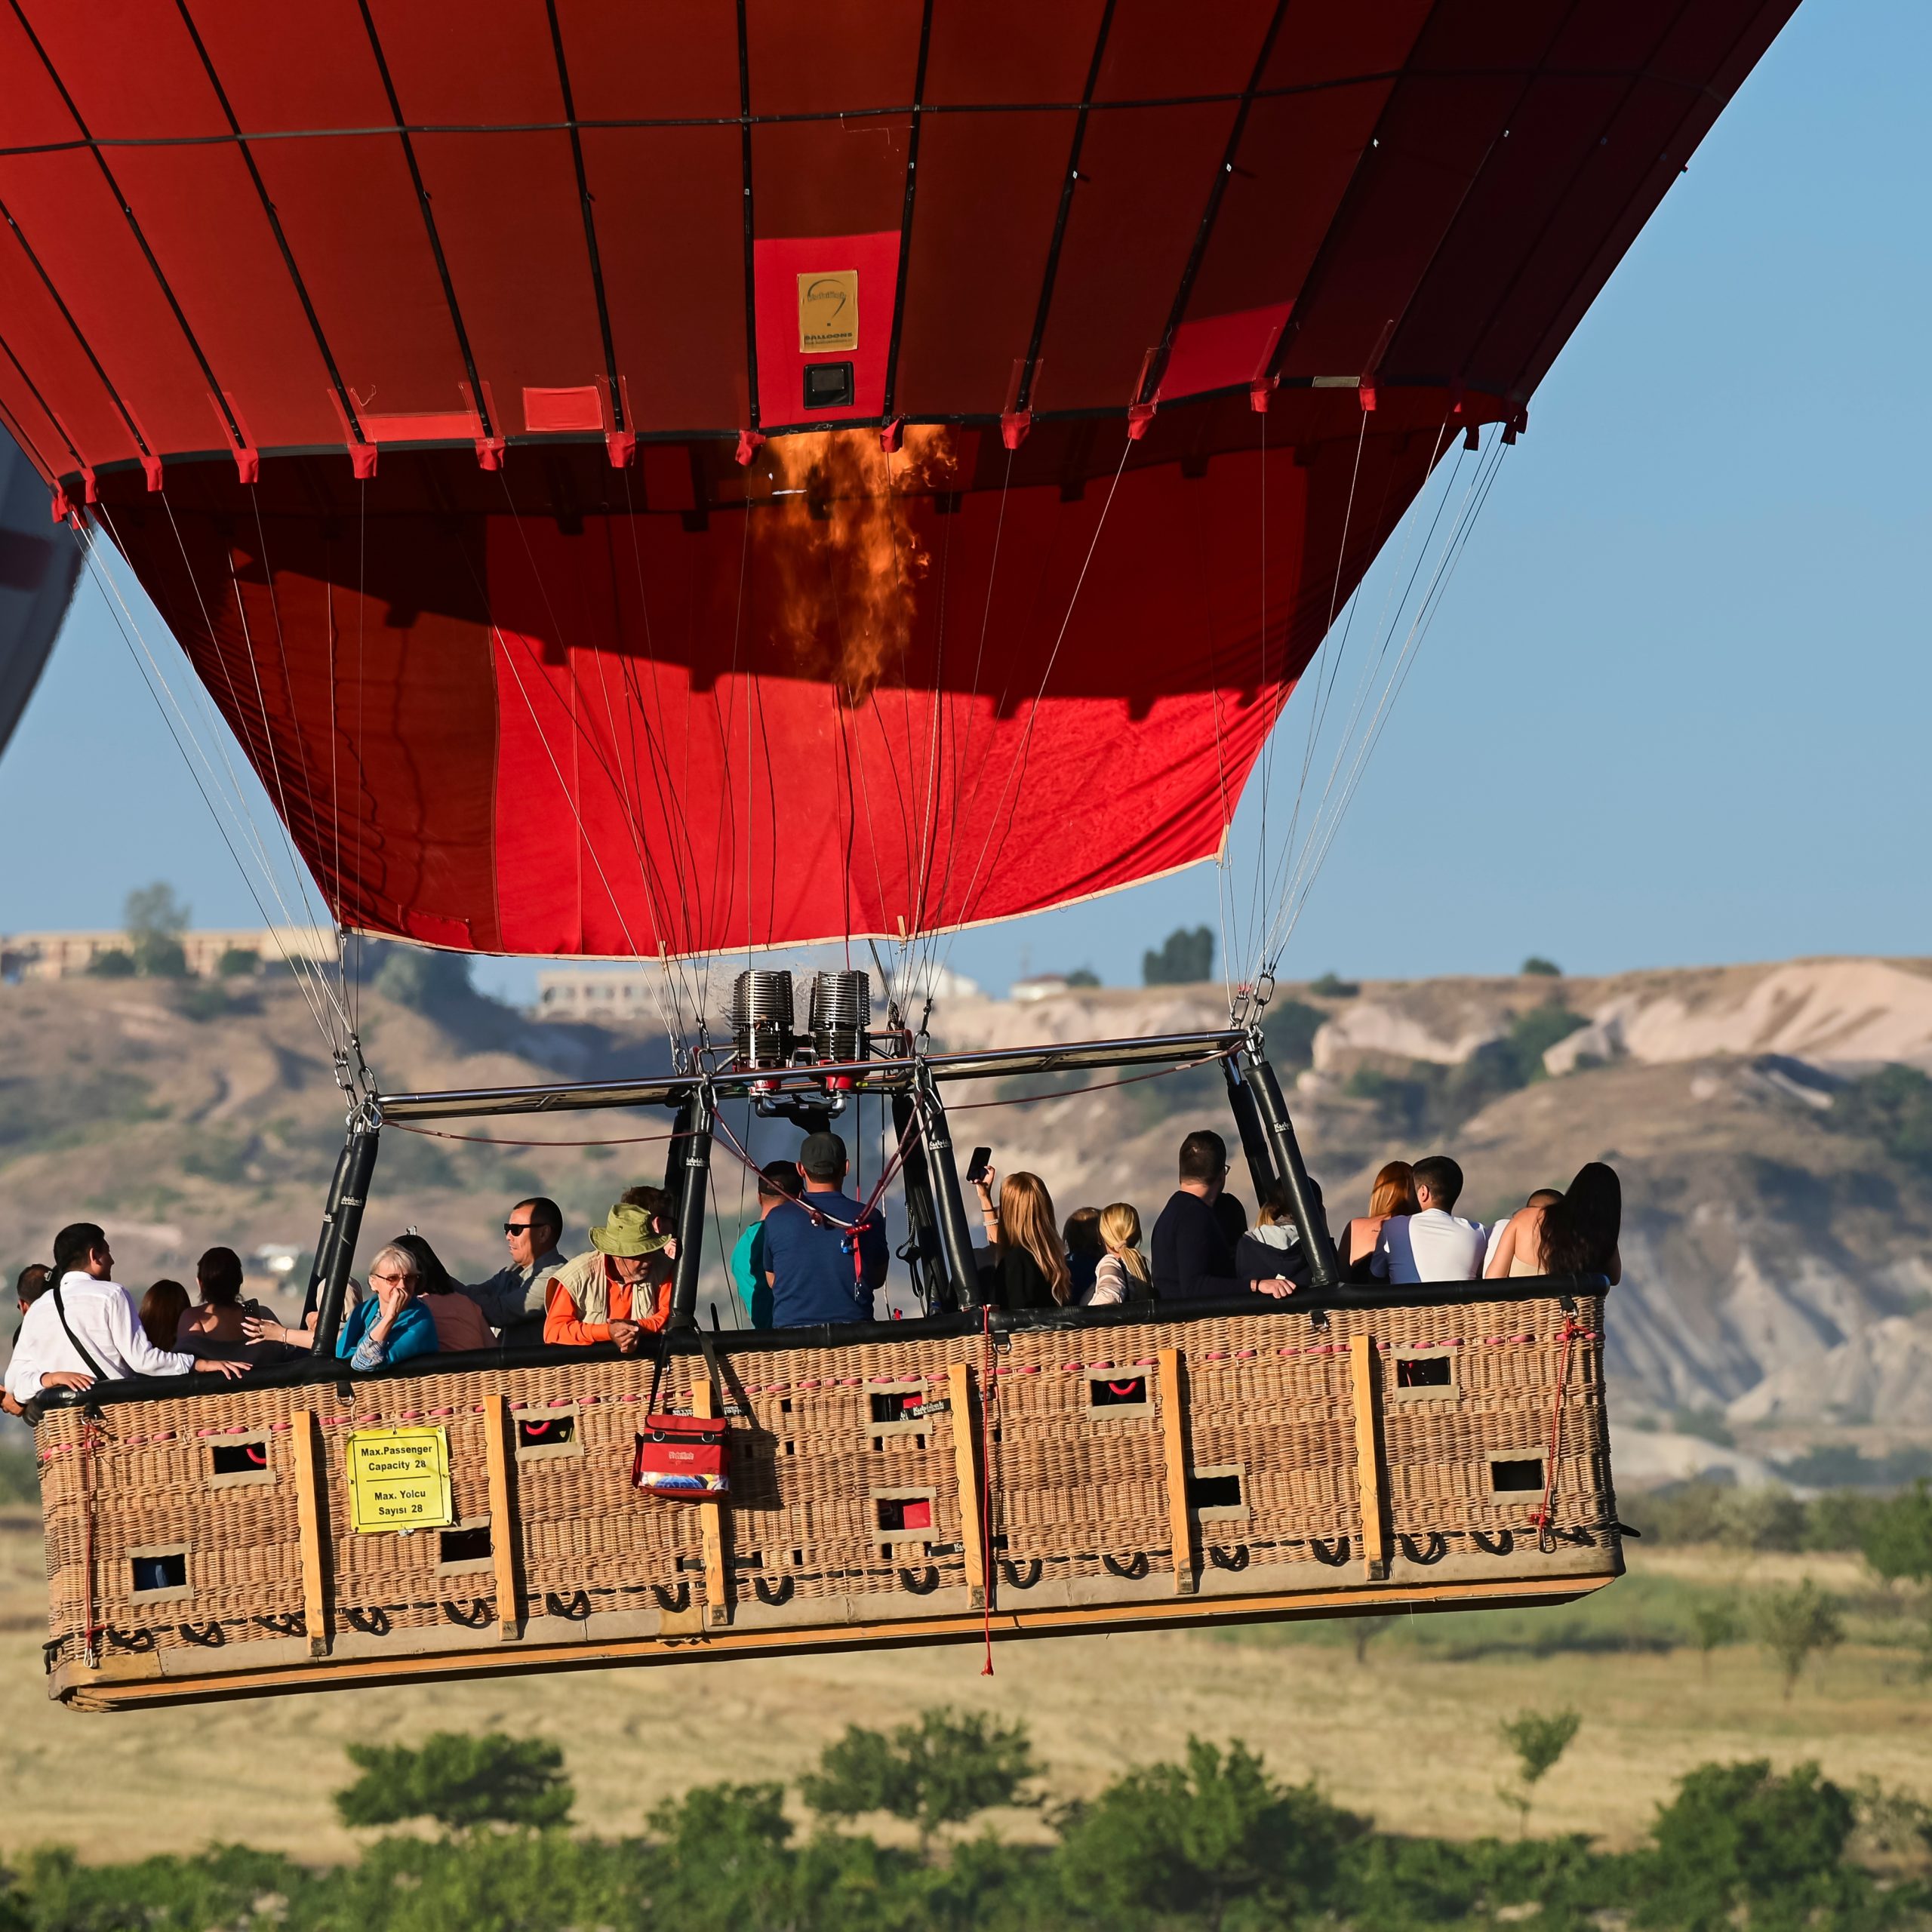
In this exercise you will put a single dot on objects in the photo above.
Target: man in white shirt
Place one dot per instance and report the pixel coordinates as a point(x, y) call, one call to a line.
point(100, 1331)
point(1544, 1197)
point(1433, 1245)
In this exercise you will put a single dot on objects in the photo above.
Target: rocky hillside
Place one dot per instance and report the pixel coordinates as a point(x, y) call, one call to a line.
point(1775, 1146)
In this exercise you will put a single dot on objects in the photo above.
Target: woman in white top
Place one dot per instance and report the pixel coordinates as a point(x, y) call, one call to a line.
point(1122, 1275)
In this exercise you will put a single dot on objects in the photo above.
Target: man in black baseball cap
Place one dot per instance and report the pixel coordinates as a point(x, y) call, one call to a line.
point(824, 1255)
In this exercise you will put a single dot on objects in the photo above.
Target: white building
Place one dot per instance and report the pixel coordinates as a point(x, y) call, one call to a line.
point(621, 993)
point(61, 955)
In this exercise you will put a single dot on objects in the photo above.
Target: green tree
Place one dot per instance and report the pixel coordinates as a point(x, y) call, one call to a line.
point(1894, 1107)
point(460, 1781)
point(722, 1859)
point(156, 919)
point(1738, 1842)
point(1537, 967)
point(1714, 1625)
point(1289, 1030)
point(942, 1770)
point(1198, 1842)
point(115, 964)
point(238, 962)
point(424, 981)
point(1083, 976)
point(1332, 986)
point(1795, 1624)
point(1539, 1738)
point(1185, 958)
point(1897, 1539)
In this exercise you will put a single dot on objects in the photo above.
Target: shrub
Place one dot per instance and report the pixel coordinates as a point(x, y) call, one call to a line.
point(1083, 976)
point(459, 1781)
point(1897, 1541)
point(238, 962)
point(114, 964)
point(1288, 1032)
point(1331, 985)
point(1537, 967)
point(942, 1770)
point(1892, 1107)
point(1795, 1623)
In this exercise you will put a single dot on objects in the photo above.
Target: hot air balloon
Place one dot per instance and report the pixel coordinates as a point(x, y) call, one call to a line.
point(38, 570)
point(663, 483)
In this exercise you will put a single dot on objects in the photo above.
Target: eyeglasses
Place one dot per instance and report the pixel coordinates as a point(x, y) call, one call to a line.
point(517, 1227)
point(386, 1275)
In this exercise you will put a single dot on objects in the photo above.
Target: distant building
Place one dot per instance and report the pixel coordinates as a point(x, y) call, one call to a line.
point(62, 956)
point(1038, 985)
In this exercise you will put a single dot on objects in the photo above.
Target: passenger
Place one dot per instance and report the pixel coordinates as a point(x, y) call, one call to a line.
point(84, 1326)
point(1084, 1250)
point(511, 1299)
point(1122, 1275)
point(1432, 1244)
point(1273, 1246)
point(777, 1180)
point(1394, 1192)
point(460, 1328)
point(1231, 1215)
point(29, 1286)
point(164, 1309)
point(825, 1257)
point(1577, 1234)
point(221, 1311)
point(621, 1290)
point(392, 1325)
point(1030, 1256)
point(1543, 1198)
point(1193, 1259)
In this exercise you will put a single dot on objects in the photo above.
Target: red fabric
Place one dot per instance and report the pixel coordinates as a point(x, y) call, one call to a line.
point(564, 707)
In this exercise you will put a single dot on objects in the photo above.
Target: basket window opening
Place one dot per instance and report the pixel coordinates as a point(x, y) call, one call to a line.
point(168, 1571)
point(545, 1432)
point(891, 1405)
point(900, 1512)
point(466, 1545)
point(1106, 1391)
point(1424, 1372)
point(1213, 1492)
point(238, 1458)
point(1516, 1475)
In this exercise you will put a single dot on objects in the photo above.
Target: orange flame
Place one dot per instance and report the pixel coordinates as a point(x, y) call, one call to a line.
point(846, 557)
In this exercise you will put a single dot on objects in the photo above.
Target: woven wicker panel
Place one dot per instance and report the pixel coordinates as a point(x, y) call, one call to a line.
point(1075, 1492)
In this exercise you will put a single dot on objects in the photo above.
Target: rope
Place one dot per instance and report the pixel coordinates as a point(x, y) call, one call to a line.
point(1099, 1087)
point(89, 1437)
point(1546, 1534)
point(488, 1140)
point(988, 1394)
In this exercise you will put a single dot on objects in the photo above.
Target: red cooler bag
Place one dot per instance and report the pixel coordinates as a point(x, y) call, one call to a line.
point(681, 1458)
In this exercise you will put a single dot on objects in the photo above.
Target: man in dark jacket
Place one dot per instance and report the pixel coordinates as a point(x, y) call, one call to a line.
point(1193, 1259)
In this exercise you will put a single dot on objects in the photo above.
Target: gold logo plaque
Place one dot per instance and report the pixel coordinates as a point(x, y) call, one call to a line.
point(828, 312)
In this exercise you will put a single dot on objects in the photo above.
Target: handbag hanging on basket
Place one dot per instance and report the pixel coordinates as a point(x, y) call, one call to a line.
point(681, 1459)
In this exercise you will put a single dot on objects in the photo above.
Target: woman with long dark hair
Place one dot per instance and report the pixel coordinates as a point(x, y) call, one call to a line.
point(1577, 1234)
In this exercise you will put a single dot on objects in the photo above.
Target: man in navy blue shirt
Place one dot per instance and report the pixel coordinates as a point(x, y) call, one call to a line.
point(824, 1255)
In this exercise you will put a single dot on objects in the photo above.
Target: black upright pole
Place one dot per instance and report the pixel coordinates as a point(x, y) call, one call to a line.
point(922, 1252)
point(318, 1268)
point(1254, 1142)
point(955, 1240)
point(1317, 1244)
point(694, 1122)
point(358, 1167)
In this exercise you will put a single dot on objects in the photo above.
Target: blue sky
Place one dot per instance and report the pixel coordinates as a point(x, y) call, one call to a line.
point(1675, 708)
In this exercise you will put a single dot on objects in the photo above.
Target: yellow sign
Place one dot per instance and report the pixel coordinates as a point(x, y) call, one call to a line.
point(828, 312)
point(399, 1479)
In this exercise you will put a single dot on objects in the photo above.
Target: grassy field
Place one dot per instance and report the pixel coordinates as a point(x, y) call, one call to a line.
point(1408, 1736)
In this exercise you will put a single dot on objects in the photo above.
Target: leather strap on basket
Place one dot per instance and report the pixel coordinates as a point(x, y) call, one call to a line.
point(707, 1347)
point(1545, 1530)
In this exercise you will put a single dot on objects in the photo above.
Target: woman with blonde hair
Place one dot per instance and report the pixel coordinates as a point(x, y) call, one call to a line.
point(1123, 1275)
point(1030, 1255)
point(1393, 1193)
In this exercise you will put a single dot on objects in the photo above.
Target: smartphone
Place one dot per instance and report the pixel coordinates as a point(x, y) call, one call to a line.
point(976, 1169)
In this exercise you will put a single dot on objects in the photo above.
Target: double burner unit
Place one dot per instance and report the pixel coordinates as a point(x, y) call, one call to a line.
point(764, 1029)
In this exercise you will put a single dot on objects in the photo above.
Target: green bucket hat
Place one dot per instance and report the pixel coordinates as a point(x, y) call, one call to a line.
point(627, 1233)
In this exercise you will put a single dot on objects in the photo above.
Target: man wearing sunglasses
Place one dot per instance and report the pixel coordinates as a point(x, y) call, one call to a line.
point(511, 1299)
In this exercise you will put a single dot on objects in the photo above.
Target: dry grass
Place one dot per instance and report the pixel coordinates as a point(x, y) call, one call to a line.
point(1410, 1737)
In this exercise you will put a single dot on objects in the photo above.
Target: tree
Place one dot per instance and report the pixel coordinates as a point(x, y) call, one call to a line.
point(1736, 1837)
point(1289, 1030)
point(1897, 1539)
point(1185, 959)
point(1894, 1107)
point(1331, 985)
point(723, 1859)
point(116, 963)
point(156, 919)
point(1365, 1629)
point(940, 1771)
point(1794, 1623)
point(238, 962)
point(423, 981)
point(459, 1781)
point(1194, 1841)
point(1715, 1625)
point(1537, 967)
point(1083, 976)
point(1539, 1738)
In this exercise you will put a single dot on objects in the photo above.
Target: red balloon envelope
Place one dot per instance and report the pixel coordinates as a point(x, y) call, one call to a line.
point(681, 478)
